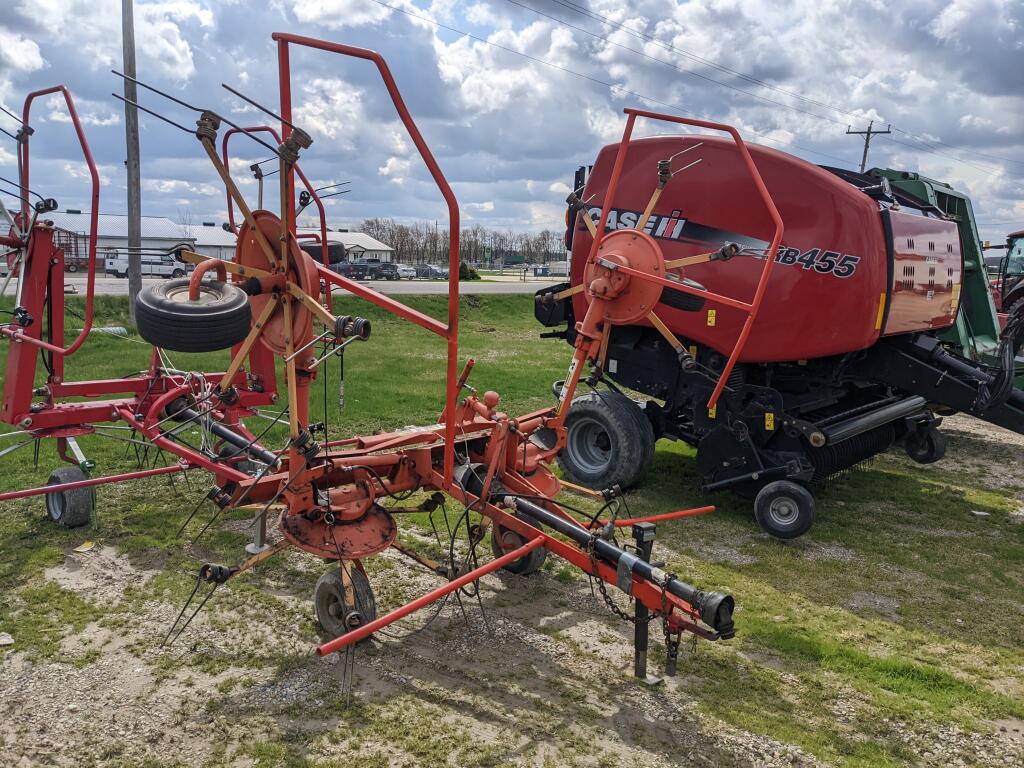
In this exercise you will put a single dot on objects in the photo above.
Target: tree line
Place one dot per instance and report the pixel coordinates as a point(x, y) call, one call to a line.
point(423, 242)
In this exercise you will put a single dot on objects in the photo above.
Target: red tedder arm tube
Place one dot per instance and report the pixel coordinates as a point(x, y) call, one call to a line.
point(754, 306)
point(451, 331)
point(93, 214)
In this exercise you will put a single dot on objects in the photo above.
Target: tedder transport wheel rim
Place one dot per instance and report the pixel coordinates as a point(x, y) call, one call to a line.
point(167, 318)
point(338, 615)
point(784, 509)
point(71, 508)
point(504, 541)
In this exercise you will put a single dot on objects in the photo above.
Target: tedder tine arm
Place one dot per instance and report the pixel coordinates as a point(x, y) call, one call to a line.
point(589, 222)
point(229, 184)
point(234, 268)
point(246, 345)
point(312, 305)
point(569, 292)
point(685, 360)
point(690, 261)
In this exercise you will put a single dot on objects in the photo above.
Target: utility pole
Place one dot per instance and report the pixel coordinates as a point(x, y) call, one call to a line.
point(867, 140)
point(131, 130)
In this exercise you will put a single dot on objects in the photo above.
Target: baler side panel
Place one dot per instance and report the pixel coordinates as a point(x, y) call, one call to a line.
point(813, 307)
point(927, 274)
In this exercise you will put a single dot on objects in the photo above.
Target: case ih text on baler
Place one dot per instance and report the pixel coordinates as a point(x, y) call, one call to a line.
point(877, 321)
point(341, 497)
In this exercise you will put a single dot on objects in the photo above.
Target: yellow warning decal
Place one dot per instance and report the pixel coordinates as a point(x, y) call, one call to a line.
point(712, 316)
point(881, 312)
point(712, 411)
point(693, 351)
point(769, 421)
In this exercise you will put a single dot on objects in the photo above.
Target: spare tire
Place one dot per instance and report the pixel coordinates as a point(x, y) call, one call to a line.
point(219, 319)
point(610, 441)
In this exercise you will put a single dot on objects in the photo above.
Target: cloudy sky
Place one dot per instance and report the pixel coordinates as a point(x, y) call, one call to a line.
point(513, 95)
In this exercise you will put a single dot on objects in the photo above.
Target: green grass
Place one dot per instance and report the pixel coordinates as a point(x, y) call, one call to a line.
point(900, 599)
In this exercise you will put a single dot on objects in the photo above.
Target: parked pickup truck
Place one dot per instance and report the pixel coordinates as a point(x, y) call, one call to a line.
point(383, 270)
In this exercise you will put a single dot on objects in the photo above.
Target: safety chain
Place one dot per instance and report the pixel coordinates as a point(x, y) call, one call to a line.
point(672, 640)
point(592, 552)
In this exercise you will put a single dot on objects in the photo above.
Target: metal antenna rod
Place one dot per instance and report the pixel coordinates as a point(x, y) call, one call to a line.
point(258, 106)
point(695, 162)
point(684, 151)
point(154, 114)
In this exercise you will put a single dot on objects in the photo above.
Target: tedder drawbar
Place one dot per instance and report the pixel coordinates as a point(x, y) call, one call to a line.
point(340, 499)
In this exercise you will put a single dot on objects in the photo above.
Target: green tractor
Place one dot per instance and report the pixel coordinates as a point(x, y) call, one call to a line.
point(1007, 272)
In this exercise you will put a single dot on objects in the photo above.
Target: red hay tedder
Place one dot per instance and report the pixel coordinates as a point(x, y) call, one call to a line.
point(273, 301)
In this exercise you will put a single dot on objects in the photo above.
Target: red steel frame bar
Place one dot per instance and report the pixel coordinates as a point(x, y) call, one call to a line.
point(368, 629)
point(754, 306)
point(181, 466)
point(449, 332)
point(309, 188)
point(18, 335)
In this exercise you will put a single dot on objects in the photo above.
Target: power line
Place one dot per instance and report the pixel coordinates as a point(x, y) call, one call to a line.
point(690, 55)
point(611, 86)
point(673, 66)
point(867, 140)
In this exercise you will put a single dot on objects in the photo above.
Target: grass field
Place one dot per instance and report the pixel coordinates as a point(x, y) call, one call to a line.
point(892, 634)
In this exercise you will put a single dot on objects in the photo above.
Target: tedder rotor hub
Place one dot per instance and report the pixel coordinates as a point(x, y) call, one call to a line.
point(301, 271)
point(626, 300)
point(349, 540)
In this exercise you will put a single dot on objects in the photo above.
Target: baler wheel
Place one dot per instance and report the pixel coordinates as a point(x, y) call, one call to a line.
point(73, 508)
point(925, 447)
point(784, 509)
point(609, 441)
point(338, 615)
point(219, 319)
point(504, 541)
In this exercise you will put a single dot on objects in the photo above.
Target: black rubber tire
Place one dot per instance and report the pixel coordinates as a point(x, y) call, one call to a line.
point(784, 509)
point(610, 441)
point(72, 268)
point(332, 609)
point(73, 508)
point(927, 447)
point(529, 563)
point(178, 273)
point(218, 320)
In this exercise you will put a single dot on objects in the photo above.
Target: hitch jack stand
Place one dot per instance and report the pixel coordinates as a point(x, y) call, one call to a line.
point(643, 534)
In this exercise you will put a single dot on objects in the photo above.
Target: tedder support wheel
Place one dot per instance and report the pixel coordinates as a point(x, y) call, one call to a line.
point(784, 509)
point(70, 508)
point(925, 447)
point(219, 319)
point(504, 541)
point(338, 614)
point(609, 441)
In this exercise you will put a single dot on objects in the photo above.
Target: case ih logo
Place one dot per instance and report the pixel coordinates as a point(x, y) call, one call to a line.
point(661, 227)
point(820, 260)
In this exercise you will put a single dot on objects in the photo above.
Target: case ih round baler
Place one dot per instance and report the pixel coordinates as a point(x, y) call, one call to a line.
point(854, 346)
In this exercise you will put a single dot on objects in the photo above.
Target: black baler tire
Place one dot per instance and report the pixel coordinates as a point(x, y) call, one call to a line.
point(330, 590)
point(529, 563)
point(926, 448)
point(800, 499)
point(219, 320)
point(72, 508)
point(631, 442)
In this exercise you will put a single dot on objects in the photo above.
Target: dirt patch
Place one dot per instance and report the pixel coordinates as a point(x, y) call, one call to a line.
point(100, 575)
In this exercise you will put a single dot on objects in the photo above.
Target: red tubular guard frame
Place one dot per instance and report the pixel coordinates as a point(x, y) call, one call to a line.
point(23, 156)
point(449, 332)
point(754, 306)
point(305, 182)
